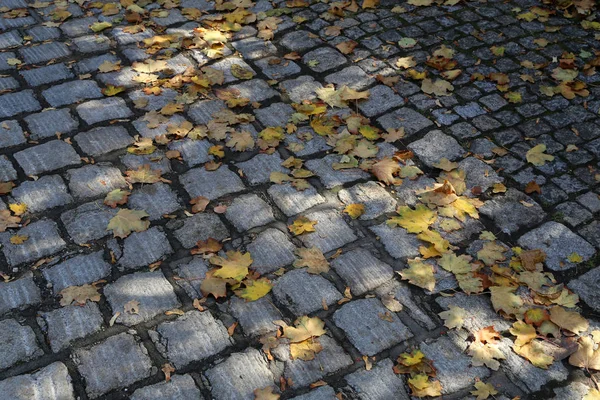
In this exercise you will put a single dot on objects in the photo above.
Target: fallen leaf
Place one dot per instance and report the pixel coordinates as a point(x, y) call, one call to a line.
point(420, 274)
point(79, 295)
point(302, 225)
point(454, 317)
point(355, 210)
point(313, 259)
point(18, 239)
point(167, 369)
point(255, 289)
point(265, 394)
point(233, 266)
point(483, 390)
point(127, 221)
point(537, 157)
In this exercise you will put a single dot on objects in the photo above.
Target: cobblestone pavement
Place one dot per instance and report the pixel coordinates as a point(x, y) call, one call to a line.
point(64, 140)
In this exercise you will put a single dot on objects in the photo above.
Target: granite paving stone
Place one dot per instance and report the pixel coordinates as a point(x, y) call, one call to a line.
point(19, 293)
point(43, 240)
point(49, 123)
point(304, 293)
point(12, 134)
point(102, 140)
point(15, 103)
point(17, 343)
point(180, 387)
point(249, 211)
point(143, 248)
point(7, 170)
point(102, 110)
point(362, 271)
point(211, 184)
point(255, 317)
point(47, 157)
point(200, 227)
point(271, 250)
point(434, 146)
point(379, 383)
point(330, 233)
point(45, 75)
point(291, 201)
point(47, 192)
point(71, 92)
point(52, 381)
point(88, 221)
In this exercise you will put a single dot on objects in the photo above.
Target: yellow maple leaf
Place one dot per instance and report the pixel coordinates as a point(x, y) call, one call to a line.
point(491, 253)
point(439, 243)
point(486, 354)
point(255, 289)
point(569, 320)
point(536, 155)
point(421, 386)
point(525, 333)
point(419, 273)
point(535, 352)
point(454, 317)
point(18, 208)
point(414, 221)
point(585, 356)
point(302, 225)
point(233, 266)
point(305, 328)
point(127, 221)
point(305, 350)
point(455, 264)
point(18, 239)
point(483, 390)
point(111, 90)
point(504, 299)
point(355, 210)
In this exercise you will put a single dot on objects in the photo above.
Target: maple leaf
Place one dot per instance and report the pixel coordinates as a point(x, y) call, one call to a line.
point(414, 221)
point(143, 175)
point(504, 299)
point(536, 316)
point(111, 90)
point(142, 146)
point(18, 208)
point(440, 87)
point(304, 328)
point(213, 285)
point(455, 264)
point(585, 356)
point(79, 294)
point(592, 394)
point(454, 317)
point(525, 333)
point(486, 354)
point(440, 244)
point(331, 96)
point(116, 197)
point(302, 225)
point(233, 266)
point(265, 394)
point(305, 350)
point(419, 273)
point(346, 47)
point(167, 369)
point(8, 221)
point(569, 320)
point(421, 386)
point(241, 141)
point(132, 307)
point(127, 221)
point(240, 72)
point(355, 210)
point(483, 390)
point(312, 258)
point(199, 204)
point(491, 253)
point(207, 246)
point(18, 239)
point(535, 352)
point(536, 155)
point(255, 289)
point(100, 26)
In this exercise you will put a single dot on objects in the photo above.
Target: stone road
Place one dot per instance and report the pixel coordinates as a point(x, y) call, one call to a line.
point(64, 141)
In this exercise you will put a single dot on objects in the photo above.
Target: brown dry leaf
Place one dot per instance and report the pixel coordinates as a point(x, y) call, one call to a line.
point(6, 187)
point(167, 369)
point(265, 394)
point(569, 320)
point(143, 175)
point(213, 285)
point(116, 197)
point(199, 204)
point(346, 47)
point(79, 294)
point(207, 246)
point(535, 352)
point(585, 356)
point(312, 258)
point(132, 307)
point(240, 72)
point(385, 169)
point(127, 221)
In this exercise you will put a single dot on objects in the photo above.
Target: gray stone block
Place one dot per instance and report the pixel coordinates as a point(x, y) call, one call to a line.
point(53, 381)
point(255, 317)
point(258, 169)
point(447, 359)
point(397, 241)
point(67, 324)
point(44, 52)
point(110, 108)
point(201, 111)
point(88, 222)
point(480, 313)
point(381, 98)
point(434, 146)
point(361, 271)
point(19, 293)
point(94, 180)
point(322, 167)
point(255, 90)
point(50, 122)
point(47, 192)
point(17, 343)
point(193, 152)
point(92, 64)
point(180, 387)
point(79, 270)
point(331, 231)
point(211, 184)
point(586, 286)
point(157, 200)
point(249, 211)
point(194, 336)
point(300, 40)
point(353, 77)
point(277, 68)
point(304, 293)
point(200, 227)
point(402, 292)
point(154, 102)
point(10, 39)
point(117, 362)
point(154, 293)
point(237, 377)
point(42, 33)
point(302, 88)
point(270, 251)
point(7, 171)
point(380, 383)
point(478, 173)
point(124, 77)
point(573, 391)
point(254, 48)
point(225, 65)
point(369, 333)
point(156, 160)
point(143, 248)
point(45, 75)
point(590, 200)
point(47, 157)
point(11, 134)
point(16, 103)
point(292, 201)
point(376, 199)
point(191, 274)
point(100, 141)
point(43, 240)
point(78, 26)
point(277, 114)
point(326, 57)
point(328, 361)
point(411, 120)
point(72, 92)
point(161, 129)
point(510, 214)
point(321, 393)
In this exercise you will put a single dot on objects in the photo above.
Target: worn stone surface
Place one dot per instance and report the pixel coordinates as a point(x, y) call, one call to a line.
point(271, 250)
point(304, 293)
point(255, 317)
point(17, 343)
point(379, 383)
point(53, 382)
point(330, 232)
point(45, 193)
point(377, 200)
point(77, 271)
point(510, 214)
point(249, 211)
point(180, 387)
point(362, 271)
point(43, 240)
point(211, 184)
point(200, 227)
point(47, 157)
point(143, 248)
point(94, 180)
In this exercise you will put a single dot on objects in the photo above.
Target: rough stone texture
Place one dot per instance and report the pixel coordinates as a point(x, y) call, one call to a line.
point(180, 387)
point(381, 98)
point(377, 200)
point(586, 286)
point(52, 383)
point(259, 168)
point(397, 241)
point(16, 103)
point(292, 201)
point(143, 248)
point(43, 240)
point(7, 171)
point(117, 362)
point(478, 174)
point(67, 324)
point(380, 383)
point(304, 293)
point(88, 221)
point(480, 313)
point(71, 92)
point(411, 120)
point(434, 146)
point(192, 273)
point(45, 193)
point(353, 77)
point(249, 211)
point(330, 232)
point(102, 110)
point(454, 370)
point(12, 134)
point(77, 271)
point(103, 140)
point(321, 393)
point(156, 199)
point(192, 337)
point(211, 184)
point(239, 375)
point(255, 317)
point(94, 180)
point(326, 57)
point(200, 227)
point(154, 293)
point(362, 271)
point(401, 292)
point(558, 242)
point(19, 293)
point(17, 343)
point(47, 157)
point(360, 320)
point(510, 214)
point(271, 250)
point(50, 122)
